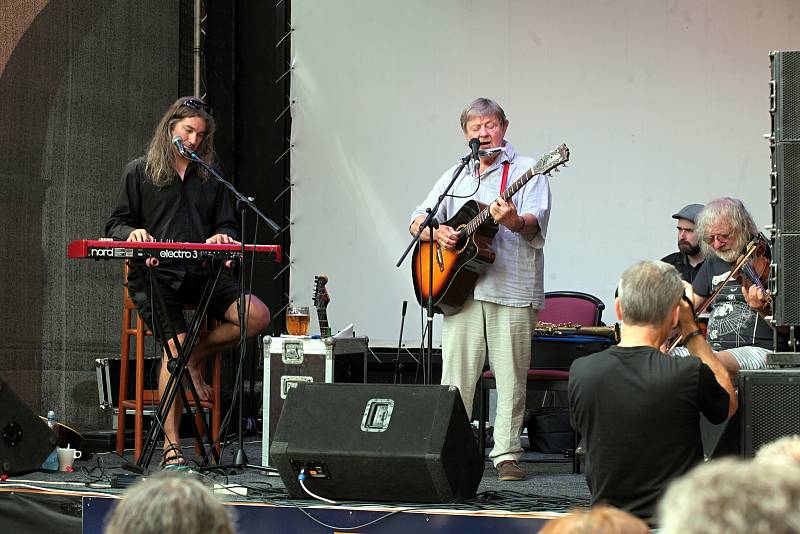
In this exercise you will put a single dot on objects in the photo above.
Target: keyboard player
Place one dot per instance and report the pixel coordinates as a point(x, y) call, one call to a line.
point(165, 197)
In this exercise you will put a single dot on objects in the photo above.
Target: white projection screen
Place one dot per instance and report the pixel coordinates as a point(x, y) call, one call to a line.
point(662, 103)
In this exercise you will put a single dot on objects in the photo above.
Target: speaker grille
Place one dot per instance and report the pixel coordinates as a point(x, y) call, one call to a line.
point(771, 407)
point(787, 168)
point(787, 298)
point(786, 74)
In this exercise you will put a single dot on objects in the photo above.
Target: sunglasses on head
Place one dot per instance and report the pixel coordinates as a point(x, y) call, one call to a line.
point(193, 103)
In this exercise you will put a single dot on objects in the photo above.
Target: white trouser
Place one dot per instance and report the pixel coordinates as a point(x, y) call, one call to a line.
point(504, 333)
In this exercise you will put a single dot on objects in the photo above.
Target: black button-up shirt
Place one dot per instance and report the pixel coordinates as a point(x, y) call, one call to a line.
point(681, 262)
point(189, 210)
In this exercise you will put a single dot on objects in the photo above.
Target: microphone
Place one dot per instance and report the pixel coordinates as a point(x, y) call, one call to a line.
point(178, 142)
point(474, 145)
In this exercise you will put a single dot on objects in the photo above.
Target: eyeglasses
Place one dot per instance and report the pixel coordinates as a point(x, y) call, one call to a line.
point(193, 103)
point(722, 238)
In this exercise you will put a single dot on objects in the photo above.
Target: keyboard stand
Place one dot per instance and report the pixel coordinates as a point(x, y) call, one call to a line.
point(178, 379)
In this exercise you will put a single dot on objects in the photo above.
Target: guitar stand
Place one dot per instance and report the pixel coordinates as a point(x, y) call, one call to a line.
point(178, 380)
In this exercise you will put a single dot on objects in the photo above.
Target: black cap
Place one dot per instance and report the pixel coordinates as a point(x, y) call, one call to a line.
point(689, 212)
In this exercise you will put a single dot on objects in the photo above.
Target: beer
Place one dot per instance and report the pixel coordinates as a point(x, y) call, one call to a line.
point(297, 321)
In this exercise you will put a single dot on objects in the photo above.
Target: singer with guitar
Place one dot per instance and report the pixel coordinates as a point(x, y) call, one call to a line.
point(498, 316)
point(165, 197)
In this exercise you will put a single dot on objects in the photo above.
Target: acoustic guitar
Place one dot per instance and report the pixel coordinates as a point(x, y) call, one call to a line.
point(456, 271)
point(321, 300)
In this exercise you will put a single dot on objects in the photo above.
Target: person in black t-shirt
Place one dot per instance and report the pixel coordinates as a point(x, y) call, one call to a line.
point(690, 256)
point(737, 330)
point(637, 409)
point(165, 197)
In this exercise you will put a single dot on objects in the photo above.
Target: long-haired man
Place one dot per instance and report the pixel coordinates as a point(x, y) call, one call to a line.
point(165, 197)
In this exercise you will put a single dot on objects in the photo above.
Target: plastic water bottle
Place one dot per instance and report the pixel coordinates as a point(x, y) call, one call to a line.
point(51, 463)
point(51, 421)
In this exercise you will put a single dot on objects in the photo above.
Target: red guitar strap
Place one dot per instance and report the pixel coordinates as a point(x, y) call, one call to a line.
point(506, 165)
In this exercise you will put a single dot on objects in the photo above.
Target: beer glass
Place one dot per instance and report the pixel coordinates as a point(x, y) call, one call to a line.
point(297, 320)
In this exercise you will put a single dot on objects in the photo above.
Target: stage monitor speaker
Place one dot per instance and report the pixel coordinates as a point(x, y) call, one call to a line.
point(377, 442)
point(26, 440)
point(785, 95)
point(770, 404)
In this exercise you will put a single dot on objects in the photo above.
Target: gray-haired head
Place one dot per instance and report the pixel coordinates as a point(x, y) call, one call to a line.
point(648, 293)
point(784, 450)
point(482, 107)
point(730, 214)
point(168, 503)
point(735, 497)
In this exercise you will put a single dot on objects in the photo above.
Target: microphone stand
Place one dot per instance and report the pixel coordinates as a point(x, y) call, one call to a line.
point(397, 365)
point(240, 459)
point(431, 223)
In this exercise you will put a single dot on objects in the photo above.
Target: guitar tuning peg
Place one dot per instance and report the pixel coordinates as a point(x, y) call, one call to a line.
point(556, 170)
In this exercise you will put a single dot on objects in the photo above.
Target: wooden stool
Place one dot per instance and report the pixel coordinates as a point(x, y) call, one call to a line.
point(134, 327)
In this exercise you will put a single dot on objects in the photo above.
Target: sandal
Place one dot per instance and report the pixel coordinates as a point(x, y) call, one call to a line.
point(172, 456)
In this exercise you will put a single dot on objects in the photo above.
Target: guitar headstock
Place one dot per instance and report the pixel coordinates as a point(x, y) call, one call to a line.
point(552, 160)
point(321, 297)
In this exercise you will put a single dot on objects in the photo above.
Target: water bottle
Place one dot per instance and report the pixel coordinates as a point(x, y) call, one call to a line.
point(51, 421)
point(51, 463)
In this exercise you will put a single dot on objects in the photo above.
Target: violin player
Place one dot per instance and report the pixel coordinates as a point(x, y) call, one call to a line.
point(737, 330)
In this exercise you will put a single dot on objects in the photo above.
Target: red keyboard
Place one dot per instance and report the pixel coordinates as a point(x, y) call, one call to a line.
point(190, 252)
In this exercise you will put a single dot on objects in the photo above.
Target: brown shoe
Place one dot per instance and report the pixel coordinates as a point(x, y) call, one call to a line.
point(509, 470)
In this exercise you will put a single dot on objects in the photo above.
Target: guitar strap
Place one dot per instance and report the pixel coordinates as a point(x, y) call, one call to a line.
point(503, 183)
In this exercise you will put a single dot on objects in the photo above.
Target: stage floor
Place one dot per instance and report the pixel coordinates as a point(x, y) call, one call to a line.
point(550, 489)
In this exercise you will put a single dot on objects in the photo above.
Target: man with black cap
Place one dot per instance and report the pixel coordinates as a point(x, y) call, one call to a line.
point(690, 256)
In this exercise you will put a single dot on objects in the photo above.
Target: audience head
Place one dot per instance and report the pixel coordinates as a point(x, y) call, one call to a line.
point(648, 293)
point(169, 503)
point(735, 497)
point(725, 227)
point(782, 450)
point(599, 520)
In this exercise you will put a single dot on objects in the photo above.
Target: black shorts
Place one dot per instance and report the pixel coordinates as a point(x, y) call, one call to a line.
point(188, 292)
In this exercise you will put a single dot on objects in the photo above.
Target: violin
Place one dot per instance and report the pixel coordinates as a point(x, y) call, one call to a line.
point(755, 270)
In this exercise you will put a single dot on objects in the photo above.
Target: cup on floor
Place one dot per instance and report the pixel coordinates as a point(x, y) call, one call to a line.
point(66, 457)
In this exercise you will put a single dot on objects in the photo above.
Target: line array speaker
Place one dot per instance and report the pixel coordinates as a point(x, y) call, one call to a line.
point(770, 406)
point(786, 279)
point(785, 95)
point(377, 442)
point(785, 185)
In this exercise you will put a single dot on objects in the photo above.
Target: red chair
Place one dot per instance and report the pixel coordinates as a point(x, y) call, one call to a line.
point(571, 307)
point(559, 307)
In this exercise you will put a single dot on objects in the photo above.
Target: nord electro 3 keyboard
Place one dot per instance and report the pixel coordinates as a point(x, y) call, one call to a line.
point(190, 252)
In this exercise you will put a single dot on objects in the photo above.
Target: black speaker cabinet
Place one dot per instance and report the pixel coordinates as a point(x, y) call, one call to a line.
point(26, 440)
point(785, 95)
point(769, 402)
point(377, 442)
